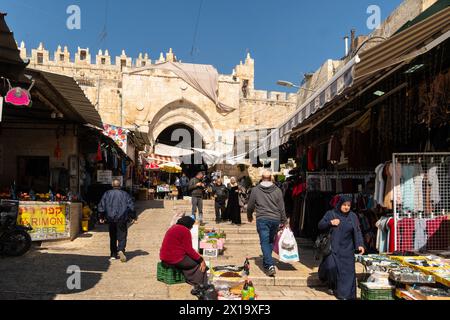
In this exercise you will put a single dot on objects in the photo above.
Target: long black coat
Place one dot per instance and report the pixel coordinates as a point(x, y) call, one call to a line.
point(338, 269)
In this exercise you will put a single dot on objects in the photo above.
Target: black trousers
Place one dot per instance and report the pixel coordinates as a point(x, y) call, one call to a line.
point(220, 208)
point(118, 232)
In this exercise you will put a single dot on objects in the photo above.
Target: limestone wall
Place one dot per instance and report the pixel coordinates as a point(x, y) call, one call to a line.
point(148, 98)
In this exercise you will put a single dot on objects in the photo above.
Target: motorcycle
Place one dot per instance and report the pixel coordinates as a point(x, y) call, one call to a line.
point(15, 240)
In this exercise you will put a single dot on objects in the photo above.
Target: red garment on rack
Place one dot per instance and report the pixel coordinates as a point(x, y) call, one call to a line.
point(391, 226)
point(311, 158)
point(298, 189)
point(335, 201)
point(437, 233)
point(405, 239)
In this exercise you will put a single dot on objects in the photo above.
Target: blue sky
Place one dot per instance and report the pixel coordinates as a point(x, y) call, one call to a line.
point(287, 38)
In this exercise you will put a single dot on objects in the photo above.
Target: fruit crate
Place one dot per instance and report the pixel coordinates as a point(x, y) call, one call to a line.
point(169, 275)
point(376, 293)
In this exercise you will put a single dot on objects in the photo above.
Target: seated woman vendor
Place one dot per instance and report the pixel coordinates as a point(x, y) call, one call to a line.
point(177, 251)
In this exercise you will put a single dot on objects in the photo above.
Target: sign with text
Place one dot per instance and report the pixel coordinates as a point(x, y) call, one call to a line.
point(104, 176)
point(50, 221)
point(210, 253)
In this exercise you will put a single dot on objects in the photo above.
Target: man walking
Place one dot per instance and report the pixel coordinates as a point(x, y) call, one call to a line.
point(184, 183)
point(220, 194)
point(117, 207)
point(197, 189)
point(267, 200)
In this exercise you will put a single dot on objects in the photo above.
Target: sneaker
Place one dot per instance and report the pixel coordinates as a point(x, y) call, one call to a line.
point(112, 258)
point(271, 271)
point(122, 256)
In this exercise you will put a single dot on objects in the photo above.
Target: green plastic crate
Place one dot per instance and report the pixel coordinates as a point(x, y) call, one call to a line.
point(169, 275)
point(376, 294)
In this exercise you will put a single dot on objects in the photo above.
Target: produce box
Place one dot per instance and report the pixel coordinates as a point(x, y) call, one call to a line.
point(376, 292)
point(212, 244)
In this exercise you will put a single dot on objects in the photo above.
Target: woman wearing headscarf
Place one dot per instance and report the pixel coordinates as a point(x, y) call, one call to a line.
point(177, 251)
point(233, 211)
point(338, 268)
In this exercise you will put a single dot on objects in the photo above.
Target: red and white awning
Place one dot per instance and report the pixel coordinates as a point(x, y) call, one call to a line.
point(160, 160)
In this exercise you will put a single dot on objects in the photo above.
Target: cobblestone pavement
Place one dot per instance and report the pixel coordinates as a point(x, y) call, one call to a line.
point(42, 273)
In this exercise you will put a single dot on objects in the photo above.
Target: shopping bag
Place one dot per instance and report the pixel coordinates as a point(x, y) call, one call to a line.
point(277, 242)
point(287, 247)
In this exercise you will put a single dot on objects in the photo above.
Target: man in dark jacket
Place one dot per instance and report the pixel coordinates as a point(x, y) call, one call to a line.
point(184, 183)
point(116, 208)
point(220, 193)
point(267, 200)
point(197, 189)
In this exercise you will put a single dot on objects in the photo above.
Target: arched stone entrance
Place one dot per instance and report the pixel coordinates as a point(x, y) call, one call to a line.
point(183, 136)
point(183, 112)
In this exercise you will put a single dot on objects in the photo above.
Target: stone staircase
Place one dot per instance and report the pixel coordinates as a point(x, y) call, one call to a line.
point(243, 242)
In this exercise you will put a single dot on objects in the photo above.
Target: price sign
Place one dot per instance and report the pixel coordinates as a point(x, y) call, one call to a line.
point(104, 176)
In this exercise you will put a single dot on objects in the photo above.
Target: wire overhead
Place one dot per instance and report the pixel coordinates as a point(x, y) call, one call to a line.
point(194, 40)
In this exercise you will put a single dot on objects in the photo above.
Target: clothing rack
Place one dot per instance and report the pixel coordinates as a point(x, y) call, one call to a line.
point(325, 180)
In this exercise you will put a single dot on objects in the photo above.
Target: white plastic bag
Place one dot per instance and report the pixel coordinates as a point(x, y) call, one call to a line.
point(288, 249)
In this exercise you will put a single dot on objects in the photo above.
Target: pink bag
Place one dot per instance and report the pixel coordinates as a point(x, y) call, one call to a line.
point(276, 244)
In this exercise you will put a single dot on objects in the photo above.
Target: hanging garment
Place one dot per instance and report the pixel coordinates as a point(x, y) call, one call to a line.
point(418, 188)
point(437, 232)
point(390, 183)
point(407, 189)
point(433, 180)
point(391, 227)
point(311, 156)
point(406, 234)
point(420, 237)
point(382, 235)
point(379, 184)
point(334, 149)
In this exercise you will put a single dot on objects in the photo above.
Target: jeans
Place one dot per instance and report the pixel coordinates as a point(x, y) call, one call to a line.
point(219, 206)
point(118, 232)
point(197, 203)
point(267, 230)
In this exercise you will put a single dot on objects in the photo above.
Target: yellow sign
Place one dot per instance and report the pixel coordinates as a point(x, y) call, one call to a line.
point(49, 221)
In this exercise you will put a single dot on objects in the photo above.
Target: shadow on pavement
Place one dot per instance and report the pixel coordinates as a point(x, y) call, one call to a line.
point(38, 275)
point(137, 253)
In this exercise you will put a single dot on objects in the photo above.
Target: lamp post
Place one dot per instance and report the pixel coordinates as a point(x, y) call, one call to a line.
point(288, 84)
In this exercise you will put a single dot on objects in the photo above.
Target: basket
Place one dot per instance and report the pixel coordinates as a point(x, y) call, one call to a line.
point(376, 294)
point(169, 275)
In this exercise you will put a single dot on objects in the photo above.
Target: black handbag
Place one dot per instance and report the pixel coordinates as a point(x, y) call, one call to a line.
point(323, 245)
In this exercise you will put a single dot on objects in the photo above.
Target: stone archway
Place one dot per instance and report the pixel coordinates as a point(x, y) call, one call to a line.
point(186, 113)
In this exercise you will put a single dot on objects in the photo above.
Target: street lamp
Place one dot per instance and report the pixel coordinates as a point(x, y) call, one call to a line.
point(291, 85)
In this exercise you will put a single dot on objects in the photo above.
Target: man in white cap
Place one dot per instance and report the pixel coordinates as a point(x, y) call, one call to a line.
point(267, 200)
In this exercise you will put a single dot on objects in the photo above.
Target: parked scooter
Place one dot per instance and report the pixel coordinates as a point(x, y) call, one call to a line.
point(15, 240)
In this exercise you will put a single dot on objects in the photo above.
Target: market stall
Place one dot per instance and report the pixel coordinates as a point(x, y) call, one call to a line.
point(410, 277)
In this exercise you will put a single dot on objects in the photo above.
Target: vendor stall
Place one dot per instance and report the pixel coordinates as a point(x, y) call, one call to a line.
point(408, 277)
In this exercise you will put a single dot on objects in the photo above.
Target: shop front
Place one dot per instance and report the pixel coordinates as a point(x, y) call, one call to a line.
point(383, 140)
point(43, 118)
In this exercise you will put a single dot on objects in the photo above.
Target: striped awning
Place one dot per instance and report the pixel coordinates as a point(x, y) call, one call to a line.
point(333, 88)
point(160, 160)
